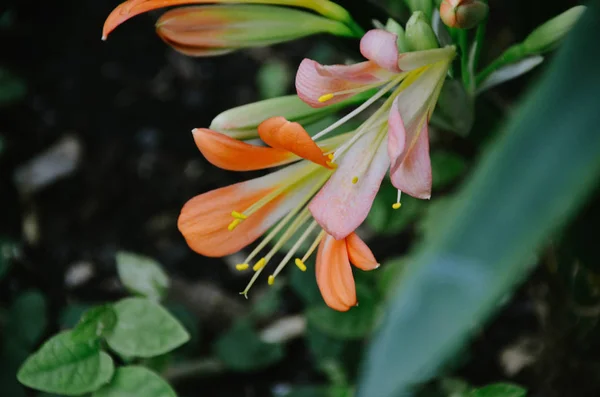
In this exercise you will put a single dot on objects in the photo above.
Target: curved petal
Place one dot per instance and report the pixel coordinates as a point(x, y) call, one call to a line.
point(230, 154)
point(205, 218)
point(408, 61)
point(413, 174)
point(334, 274)
point(284, 135)
point(396, 134)
point(359, 253)
point(319, 85)
point(341, 205)
point(380, 46)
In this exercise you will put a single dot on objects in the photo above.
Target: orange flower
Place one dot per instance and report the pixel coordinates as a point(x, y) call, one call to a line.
point(225, 220)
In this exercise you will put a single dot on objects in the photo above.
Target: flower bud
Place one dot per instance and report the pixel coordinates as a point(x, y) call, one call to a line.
point(545, 36)
point(220, 29)
point(395, 28)
point(419, 34)
point(463, 14)
point(425, 6)
point(242, 122)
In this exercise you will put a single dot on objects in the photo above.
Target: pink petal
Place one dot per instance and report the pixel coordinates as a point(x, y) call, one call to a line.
point(341, 206)
point(413, 174)
point(314, 80)
point(380, 46)
point(396, 134)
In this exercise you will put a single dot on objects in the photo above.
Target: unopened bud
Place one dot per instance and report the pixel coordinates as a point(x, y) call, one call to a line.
point(463, 14)
point(547, 35)
point(425, 6)
point(419, 34)
point(394, 27)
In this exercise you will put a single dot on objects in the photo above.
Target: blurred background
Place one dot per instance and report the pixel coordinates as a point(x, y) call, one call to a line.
point(97, 158)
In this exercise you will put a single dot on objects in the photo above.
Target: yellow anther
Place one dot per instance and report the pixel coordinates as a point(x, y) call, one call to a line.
point(300, 264)
point(271, 280)
point(242, 266)
point(330, 156)
point(238, 215)
point(331, 164)
point(396, 205)
point(259, 265)
point(325, 98)
point(355, 180)
point(234, 224)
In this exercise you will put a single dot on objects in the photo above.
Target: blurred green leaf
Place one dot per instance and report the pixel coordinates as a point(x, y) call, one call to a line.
point(12, 88)
point(319, 391)
point(144, 329)
point(273, 79)
point(510, 72)
point(241, 349)
point(531, 181)
point(499, 390)
point(358, 322)
point(385, 220)
point(305, 285)
point(136, 381)
point(71, 315)
point(446, 167)
point(454, 111)
point(7, 251)
point(27, 319)
point(189, 322)
point(95, 323)
point(142, 275)
point(323, 346)
point(389, 274)
point(66, 367)
point(434, 213)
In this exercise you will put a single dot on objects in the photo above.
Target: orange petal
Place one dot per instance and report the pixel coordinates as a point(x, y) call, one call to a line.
point(234, 155)
point(359, 253)
point(279, 133)
point(334, 274)
point(205, 218)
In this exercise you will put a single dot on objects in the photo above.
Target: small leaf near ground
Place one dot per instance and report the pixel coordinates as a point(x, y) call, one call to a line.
point(95, 323)
point(27, 318)
point(142, 275)
point(241, 349)
point(499, 390)
point(134, 381)
point(66, 367)
point(144, 329)
point(356, 323)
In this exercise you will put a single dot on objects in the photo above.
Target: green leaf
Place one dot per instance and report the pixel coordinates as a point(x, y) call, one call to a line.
point(136, 381)
point(142, 275)
point(446, 167)
point(499, 390)
point(7, 251)
point(95, 323)
point(510, 72)
point(144, 329)
point(454, 111)
point(383, 219)
point(529, 183)
point(71, 315)
point(358, 322)
point(389, 274)
point(319, 391)
point(27, 319)
point(241, 349)
point(12, 88)
point(66, 367)
point(305, 285)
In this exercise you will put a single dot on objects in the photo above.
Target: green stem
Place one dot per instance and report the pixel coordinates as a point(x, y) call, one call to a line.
point(188, 369)
point(479, 38)
point(464, 58)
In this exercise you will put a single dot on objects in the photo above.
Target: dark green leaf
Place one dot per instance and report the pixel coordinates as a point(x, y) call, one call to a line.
point(7, 251)
point(273, 79)
point(12, 88)
point(527, 185)
point(27, 319)
point(358, 322)
point(136, 382)
point(241, 349)
point(144, 329)
point(95, 323)
point(142, 275)
point(499, 390)
point(304, 284)
point(446, 167)
point(454, 111)
point(66, 367)
point(389, 274)
point(71, 315)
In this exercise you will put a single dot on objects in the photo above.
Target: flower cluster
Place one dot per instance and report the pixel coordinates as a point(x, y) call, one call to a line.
point(324, 185)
